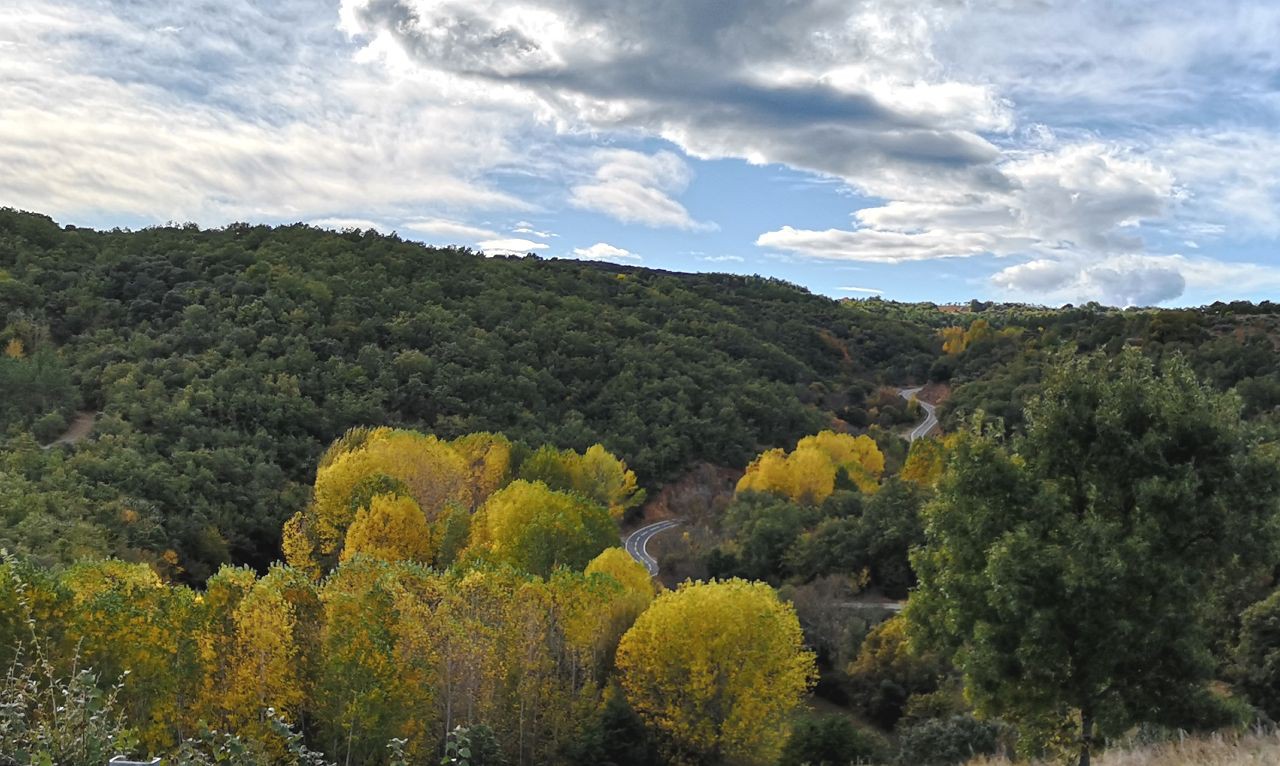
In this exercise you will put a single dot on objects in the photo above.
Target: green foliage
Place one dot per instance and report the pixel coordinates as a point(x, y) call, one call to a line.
point(472, 746)
point(1258, 654)
point(764, 527)
point(1067, 570)
point(831, 740)
point(225, 361)
point(48, 718)
point(947, 741)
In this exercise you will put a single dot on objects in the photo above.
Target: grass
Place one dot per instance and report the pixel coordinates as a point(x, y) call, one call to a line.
point(1250, 749)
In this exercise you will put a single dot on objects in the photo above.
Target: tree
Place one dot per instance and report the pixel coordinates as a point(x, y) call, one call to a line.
point(816, 467)
point(595, 474)
point(890, 669)
point(830, 740)
point(1067, 570)
point(1258, 654)
point(392, 528)
point(717, 668)
point(536, 529)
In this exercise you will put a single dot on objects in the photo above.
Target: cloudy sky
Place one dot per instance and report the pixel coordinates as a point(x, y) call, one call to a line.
point(1125, 152)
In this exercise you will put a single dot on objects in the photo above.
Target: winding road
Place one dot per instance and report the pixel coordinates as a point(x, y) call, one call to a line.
point(930, 412)
point(638, 541)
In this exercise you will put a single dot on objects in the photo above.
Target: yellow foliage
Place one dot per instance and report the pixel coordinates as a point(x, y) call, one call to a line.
point(14, 349)
point(808, 475)
point(534, 528)
point(393, 528)
point(888, 653)
point(630, 574)
point(433, 473)
point(488, 456)
point(925, 462)
point(718, 668)
point(955, 340)
point(130, 626)
point(262, 669)
point(595, 474)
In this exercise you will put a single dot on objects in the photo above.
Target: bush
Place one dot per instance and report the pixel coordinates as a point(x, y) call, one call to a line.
point(49, 427)
point(946, 741)
point(1258, 654)
point(831, 740)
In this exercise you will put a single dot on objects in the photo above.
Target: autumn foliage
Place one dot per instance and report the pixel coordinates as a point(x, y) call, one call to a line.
point(811, 472)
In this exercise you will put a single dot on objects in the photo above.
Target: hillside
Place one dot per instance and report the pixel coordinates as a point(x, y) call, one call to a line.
point(224, 361)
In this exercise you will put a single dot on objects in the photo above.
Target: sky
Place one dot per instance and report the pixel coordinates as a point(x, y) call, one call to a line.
point(1026, 150)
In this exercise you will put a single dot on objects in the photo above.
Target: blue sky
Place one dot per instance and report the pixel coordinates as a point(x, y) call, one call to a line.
point(1050, 152)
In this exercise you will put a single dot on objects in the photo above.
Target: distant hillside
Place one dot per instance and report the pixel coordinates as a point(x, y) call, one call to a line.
point(223, 361)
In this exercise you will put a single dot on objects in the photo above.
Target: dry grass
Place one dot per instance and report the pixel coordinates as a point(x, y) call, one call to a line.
point(1257, 749)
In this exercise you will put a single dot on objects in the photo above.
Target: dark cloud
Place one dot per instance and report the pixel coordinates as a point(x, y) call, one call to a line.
point(747, 79)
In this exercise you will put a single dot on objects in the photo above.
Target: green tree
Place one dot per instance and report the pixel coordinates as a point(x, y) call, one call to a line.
point(1068, 570)
point(1258, 654)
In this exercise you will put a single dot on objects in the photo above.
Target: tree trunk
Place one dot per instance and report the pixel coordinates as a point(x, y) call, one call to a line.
point(1086, 736)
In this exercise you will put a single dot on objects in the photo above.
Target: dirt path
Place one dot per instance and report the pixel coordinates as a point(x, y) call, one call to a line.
point(80, 427)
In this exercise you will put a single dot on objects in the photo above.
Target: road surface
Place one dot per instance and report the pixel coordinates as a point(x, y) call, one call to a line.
point(930, 414)
point(637, 543)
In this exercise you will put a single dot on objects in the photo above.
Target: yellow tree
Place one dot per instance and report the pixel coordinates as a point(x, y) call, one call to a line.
point(488, 458)
point(215, 639)
point(630, 574)
point(767, 473)
point(860, 455)
point(925, 462)
point(393, 528)
point(131, 626)
point(810, 473)
point(596, 474)
point(717, 669)
point(367, 462)
point(361, 698)
point(263, 664)
point(536, 529)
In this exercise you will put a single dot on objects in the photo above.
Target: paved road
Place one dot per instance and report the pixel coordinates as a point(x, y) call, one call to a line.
point(930, 413)
point(637, 543)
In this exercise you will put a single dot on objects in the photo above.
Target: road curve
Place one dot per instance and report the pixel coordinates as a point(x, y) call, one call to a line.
point(930, 414)
point(638, 541)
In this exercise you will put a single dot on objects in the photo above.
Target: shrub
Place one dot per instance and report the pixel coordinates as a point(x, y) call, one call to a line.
point(49, 426)
point(831, 740)
point(946, 741)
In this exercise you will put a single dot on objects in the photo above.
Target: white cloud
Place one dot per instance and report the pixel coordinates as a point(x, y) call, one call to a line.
point(222, 120)
point(1128, 280)
point(1083, 197)
point(868, 290)
point(636, 188)
point(722, 258)
point(343, 224)
point(524, 227)
point(450, 232)
point(510, 246)
point(603, 251)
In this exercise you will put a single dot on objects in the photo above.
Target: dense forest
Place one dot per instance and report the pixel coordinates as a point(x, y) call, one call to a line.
point(286, 495)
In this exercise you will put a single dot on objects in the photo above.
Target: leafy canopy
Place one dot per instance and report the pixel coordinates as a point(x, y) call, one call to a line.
point(1067, 570)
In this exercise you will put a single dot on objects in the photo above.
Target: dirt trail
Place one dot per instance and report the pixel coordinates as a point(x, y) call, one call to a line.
point(80, 427)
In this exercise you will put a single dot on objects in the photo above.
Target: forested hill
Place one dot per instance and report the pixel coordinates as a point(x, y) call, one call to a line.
point(224, 361)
